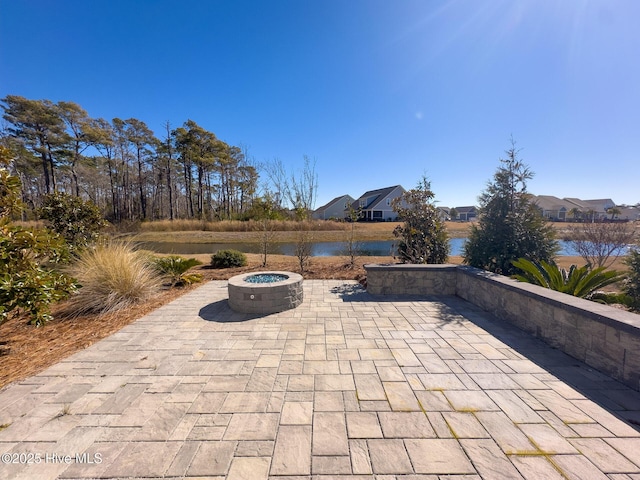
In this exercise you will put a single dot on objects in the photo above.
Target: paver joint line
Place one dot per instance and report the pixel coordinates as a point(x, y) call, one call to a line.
point(346, 386)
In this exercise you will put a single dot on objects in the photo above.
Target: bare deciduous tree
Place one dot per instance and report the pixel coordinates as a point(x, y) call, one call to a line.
point(599, 243)
point(303, 189)
point(353, 248)
point(277, 175)
point(303, 247)
point(267, 234)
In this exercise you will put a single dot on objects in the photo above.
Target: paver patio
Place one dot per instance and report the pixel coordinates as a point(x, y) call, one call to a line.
point(346, 386)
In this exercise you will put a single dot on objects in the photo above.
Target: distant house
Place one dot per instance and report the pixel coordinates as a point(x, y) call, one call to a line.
point(594, 209)
point(466, 213)
point(601, 206)
point(444, 213)
point(376, 204)
point(336, 208)
point(629, 213)
point(553, 208)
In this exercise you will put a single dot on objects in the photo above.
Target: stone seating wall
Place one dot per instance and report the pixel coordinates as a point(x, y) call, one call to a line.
point(605, 338)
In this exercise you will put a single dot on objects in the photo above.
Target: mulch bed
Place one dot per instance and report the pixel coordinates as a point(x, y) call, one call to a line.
point(26, 350)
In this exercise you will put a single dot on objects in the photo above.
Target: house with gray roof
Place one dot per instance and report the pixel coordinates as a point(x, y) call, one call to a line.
point(601, 206)
point(376, 205)
point(630, 213)
point(444, 213)
point(553, 208)
point(570, 208)
point(593, 209)
point(335, 209)
point(467, 213)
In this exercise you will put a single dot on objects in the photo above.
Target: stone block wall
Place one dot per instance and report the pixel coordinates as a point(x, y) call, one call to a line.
point(265, 298)
point(603, 337)
point(406, 279)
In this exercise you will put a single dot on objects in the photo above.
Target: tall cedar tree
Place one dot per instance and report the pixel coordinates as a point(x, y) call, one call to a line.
point(510, 225)
point(632, 283)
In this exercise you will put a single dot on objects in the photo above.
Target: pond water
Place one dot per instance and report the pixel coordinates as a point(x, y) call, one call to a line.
point(319, 249)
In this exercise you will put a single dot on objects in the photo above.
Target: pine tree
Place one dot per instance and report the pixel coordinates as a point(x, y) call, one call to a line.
point(510, 225)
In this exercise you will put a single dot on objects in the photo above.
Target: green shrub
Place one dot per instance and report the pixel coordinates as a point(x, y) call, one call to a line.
point(228, 259)
point(78, 221)
point(113, 276)
point(27, 281)
point(423, 237)
point(175, 268)
point(632, 283)
point(10, 186)
point(612, 298)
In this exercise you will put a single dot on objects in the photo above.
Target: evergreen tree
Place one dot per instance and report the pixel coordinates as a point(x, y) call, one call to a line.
point(632, 283)
point(38, 124)
point(423, 237)
point(510, 225)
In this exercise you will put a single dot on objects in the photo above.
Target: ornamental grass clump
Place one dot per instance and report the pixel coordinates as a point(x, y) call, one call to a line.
point(113, 276)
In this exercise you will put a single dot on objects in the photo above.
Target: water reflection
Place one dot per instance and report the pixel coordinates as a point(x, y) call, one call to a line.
point(379, 248)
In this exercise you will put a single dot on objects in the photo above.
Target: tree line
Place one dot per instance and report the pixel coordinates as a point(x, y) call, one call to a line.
point(123, 167)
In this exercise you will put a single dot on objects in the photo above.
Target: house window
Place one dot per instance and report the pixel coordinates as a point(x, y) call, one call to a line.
point(362, 202)
point(388, 202)
point(377, 214)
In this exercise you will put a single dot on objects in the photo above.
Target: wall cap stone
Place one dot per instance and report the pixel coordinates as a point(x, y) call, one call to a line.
point(620, 319)
point(626, 321)
point(408, 267)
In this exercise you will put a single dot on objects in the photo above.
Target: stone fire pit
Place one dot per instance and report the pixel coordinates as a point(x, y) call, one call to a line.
point(265, 292)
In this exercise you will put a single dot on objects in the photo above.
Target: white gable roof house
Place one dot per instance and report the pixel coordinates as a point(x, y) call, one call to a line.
point(444, 213)
point(334, 209)
point(570, 208)
point(599, 208)
point(467, 213)
point(553, 208)
point(376, 205)
point(629, 213)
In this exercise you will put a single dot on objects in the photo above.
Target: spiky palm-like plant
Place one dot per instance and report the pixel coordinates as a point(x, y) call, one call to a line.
point(175, 268)
point(577, 281)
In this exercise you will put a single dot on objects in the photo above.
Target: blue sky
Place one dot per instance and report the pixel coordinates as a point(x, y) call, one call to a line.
point(378, 92)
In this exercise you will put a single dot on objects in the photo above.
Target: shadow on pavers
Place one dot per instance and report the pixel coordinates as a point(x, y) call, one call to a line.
point(357, 293)
point(349, 292)
point(610, 394)
point(220, 312)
